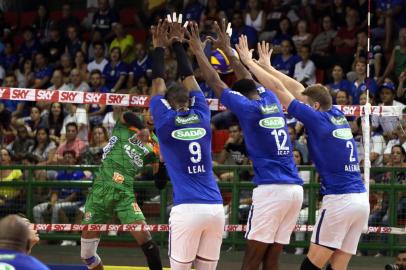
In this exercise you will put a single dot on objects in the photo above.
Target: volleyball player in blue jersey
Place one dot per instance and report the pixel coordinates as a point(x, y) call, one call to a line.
point(182, 121)
point(345, 207)
point(278, 197)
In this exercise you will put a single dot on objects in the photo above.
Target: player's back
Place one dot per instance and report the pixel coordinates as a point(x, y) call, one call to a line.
point(266, 136)
point(331, 147)
point(11, 260)
point(185, 144)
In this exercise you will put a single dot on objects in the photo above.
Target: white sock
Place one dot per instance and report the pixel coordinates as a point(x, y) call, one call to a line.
point(205, 265)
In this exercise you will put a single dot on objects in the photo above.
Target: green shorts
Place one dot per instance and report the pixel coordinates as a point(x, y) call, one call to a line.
point(104, 200)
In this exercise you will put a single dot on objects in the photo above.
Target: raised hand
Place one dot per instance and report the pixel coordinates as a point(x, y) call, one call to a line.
point(176, 31)
point(223, 36)
point(194, 41)
point(243, 49)
point(160, 34)
point(265, 53)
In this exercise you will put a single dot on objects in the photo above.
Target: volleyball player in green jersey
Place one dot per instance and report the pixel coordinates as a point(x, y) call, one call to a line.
point(130, 148)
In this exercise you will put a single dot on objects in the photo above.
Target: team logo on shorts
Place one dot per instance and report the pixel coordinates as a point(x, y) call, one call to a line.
point(136, 208)
point(188, 134)
point(88, 216)
point(118, 178)
point(272, 122)
point(6, 266)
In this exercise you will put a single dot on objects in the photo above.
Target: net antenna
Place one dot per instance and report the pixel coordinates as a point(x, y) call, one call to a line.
point(366, 126)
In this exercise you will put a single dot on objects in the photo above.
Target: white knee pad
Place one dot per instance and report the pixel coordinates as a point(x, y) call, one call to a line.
point(88, 251)
point(205, 265)
point(180, 266)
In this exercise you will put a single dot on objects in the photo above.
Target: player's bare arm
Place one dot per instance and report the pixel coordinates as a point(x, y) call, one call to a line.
point(264, 77)
point(209, 73)
point(159, 41)
point(293, 86)
point(176, 39)
point(223, 42)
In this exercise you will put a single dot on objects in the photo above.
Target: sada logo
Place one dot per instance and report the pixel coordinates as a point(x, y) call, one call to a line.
point(188, 134)
point(272, 122)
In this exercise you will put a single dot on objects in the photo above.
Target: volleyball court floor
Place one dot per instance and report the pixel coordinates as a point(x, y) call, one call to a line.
point(117, 257)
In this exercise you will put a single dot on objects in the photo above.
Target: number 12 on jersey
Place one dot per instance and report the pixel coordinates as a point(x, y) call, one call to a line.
point(195, 157)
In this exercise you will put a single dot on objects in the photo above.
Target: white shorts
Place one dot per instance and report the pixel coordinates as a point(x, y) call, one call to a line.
point(196, 229)
point(274, 212)
point(341, 221)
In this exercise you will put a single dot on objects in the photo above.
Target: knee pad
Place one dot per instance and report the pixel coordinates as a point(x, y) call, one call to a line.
point(205, 265)
point(175, 265)
point(308, 265)
point(88, 251)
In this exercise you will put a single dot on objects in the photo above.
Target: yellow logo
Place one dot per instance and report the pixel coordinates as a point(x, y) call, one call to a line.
point(118, 178)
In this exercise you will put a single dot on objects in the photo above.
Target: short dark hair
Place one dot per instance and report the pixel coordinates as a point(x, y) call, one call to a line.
point(245, 87)
point(177, 94)
point(96, 71)
point(69, 152)
point(72, 124)
point(319, 93)
point(98, 43)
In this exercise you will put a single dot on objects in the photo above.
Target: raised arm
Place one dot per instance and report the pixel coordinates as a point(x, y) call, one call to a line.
point(293, 86)
point(176, 37)
point(264, 77)
point(223, 42)
point(159, 40)
point(209, 74)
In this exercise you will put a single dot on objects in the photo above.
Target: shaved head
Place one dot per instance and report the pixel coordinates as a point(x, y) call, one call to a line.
point(14, 233)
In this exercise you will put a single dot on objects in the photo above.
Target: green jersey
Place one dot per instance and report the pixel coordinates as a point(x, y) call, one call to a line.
point(123, 158)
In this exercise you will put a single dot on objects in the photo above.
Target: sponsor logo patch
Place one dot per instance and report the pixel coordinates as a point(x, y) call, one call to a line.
point(118, 178)
point(269, 109)
point(272, 122)
point(339, 120)
point(6, 266)
point(187, 120)
point(188, 134)
point(343, 133)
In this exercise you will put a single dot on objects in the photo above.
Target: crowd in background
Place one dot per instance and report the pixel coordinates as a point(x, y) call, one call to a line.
point(313, 41)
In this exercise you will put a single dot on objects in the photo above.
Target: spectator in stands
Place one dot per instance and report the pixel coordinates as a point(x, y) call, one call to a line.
point(361, 83)
point(35, 121)
point(321, 45)
point(234, 148)
point(141, 66)
point(56, 44)
point(43, 23)
point(109, 120)
point(305, 70)
point(11, 199)
point(239, 28)
point(389, 10)
point(363, 99)
point(377, 60)
point(338, 13)
point(30, 46)
point(67, 19)
point(72, 143)
point(286, 61)
point(77, 83)
point(213, 13)
point(397, 62)
point(273, 14)
point(92, 7)
point(44, 148)
point(377, 144)
point(399, 139)
point(401, 92)
point(19, 147)
point(99, 61)
point(96, 82)
point(43, 71)
point(339, 82)
point(342, 98)
point(76, 115)
point(397, 159)
point(97, 38)
point(55, 122)
point(81, 65)
point(74, 44)
point(98, 141)
point(387, 123)
point(345, 42)
point(96, 111)
point(17, 108)
point(254, 15)
point(6, 129)
point(303, 37)
point(5, 28)
point(193, 10)
point(115, 72)
point(58, 81)
point(142, 87)
point(284, 32)
point(104, 19)
point(25, 74)
point(66, 67)
point(8, 59)
point(299, 145)
point(64, 200)
point(125, 42)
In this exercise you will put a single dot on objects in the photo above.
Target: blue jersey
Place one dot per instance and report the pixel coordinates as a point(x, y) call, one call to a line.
point(266, 136)
point(112, 74)
point(286, 66)
point(357, 90)
point(332, 148)
point(344, 85)
point(10, 259)
point(185, 144)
